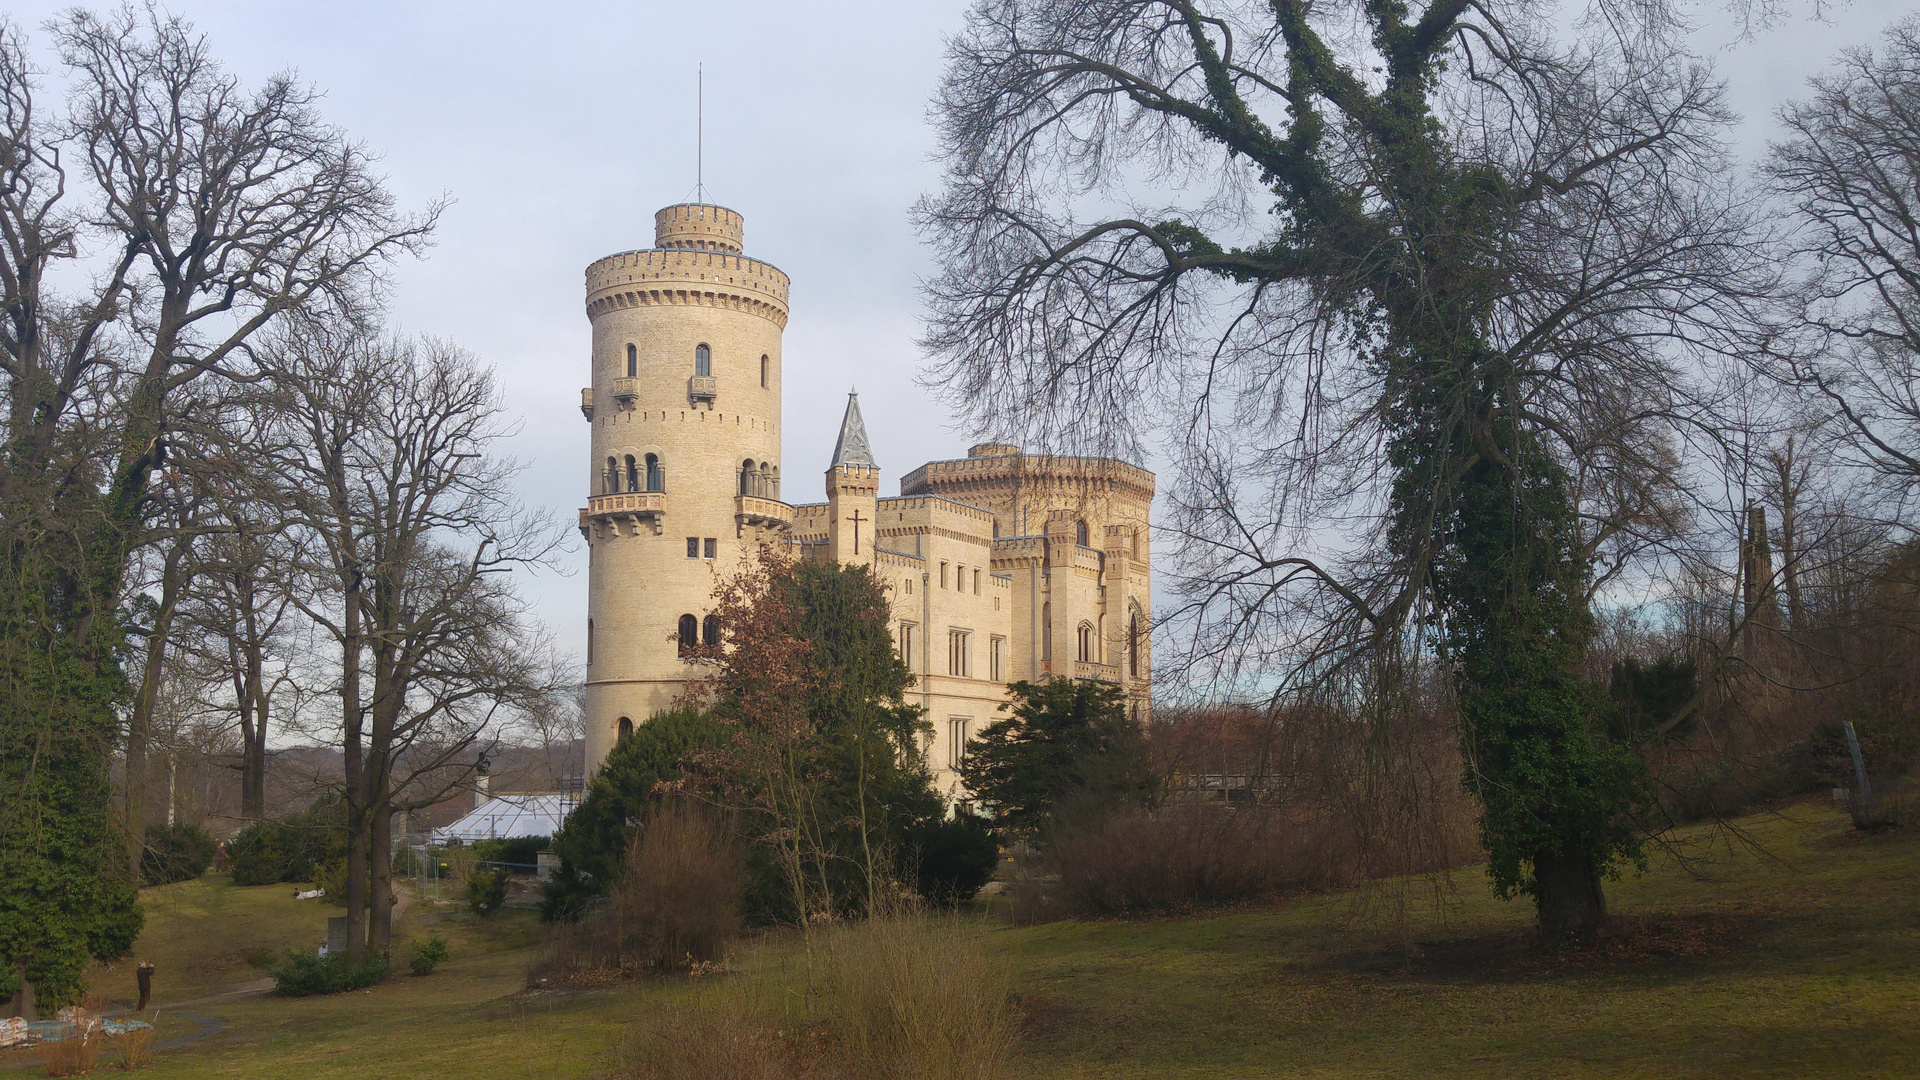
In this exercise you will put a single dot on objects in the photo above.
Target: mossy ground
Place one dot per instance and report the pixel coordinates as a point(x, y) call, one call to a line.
point(1800, 958)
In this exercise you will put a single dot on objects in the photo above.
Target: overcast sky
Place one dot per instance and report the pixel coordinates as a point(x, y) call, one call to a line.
point(557, 130)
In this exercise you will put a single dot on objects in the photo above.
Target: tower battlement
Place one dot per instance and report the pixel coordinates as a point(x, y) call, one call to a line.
point(699, 227)
point(672, 277)
point(853, 478)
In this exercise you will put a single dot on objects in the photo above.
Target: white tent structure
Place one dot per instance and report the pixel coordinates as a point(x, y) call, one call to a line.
point(504, 817)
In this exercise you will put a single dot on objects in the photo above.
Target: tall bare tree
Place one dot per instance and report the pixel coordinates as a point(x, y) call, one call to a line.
point(1414, 288)
point(146, 235)
point(242, 614)
point(1850, 166)
point(411, 532)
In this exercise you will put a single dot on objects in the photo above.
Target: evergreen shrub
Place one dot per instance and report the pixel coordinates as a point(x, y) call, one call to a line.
point(304, 974)
point(520, 853)
point(949, 859)
point(295, 849)
point(428, 955)
point(487, 889)
point(176, 853)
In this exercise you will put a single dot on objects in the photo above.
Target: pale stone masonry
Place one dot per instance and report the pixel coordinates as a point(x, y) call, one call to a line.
point(999, 566)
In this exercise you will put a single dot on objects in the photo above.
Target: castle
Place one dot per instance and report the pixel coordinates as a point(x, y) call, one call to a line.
point(998, 566)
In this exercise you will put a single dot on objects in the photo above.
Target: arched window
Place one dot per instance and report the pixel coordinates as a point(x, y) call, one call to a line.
point(1133, 644)
point(626, 726)
point(1080, 533)
point(1085, 650)
point(656, 474)
point(710, 632)
point(589, 641)
point(689, 634)
point(763, 369)
point(613, 476)
point(633, 474)
point(766, 482)
point(633, 361)
point(747, 478)
point(702, 360)
point(1046, 631)
point(776, 481)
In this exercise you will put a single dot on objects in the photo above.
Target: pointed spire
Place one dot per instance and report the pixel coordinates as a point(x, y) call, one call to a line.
point(852, 447)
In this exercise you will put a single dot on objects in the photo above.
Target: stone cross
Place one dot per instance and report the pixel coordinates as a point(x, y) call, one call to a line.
point(856, 519)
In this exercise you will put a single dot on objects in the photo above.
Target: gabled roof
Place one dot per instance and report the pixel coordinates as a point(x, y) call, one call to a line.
point(852, 447)
point(506, 816)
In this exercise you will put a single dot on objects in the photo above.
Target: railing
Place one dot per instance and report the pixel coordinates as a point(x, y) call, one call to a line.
point(703, 387)
point(758, 511)
point(625, 504)
point(1096, 672)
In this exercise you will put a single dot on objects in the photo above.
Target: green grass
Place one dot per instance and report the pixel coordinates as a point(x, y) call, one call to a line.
point(1803, 961)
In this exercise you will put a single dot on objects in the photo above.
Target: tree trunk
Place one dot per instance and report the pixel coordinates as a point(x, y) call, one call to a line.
point(253, 736)
point(253, 778)
point(140, 717)
point(23, 1005)
point(357, 788)
point(380, 935)
point(1570, 898)
point(1789, 536)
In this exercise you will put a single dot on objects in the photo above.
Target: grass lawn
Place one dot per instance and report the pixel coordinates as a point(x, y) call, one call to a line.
point(1803, 961)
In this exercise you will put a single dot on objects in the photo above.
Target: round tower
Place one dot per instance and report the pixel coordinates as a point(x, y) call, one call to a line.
point(684, 476)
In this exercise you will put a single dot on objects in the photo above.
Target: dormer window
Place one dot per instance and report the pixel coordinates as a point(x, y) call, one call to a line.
point(702, 361)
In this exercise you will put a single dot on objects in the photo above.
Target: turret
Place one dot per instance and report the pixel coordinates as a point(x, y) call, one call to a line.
point(684, 474)
point(853, 490)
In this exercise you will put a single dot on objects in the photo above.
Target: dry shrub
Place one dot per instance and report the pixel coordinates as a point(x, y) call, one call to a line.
point(907, 997)
point(75, 1056)
point(706, 1040)
point(136, 1046)
point(917, 997)
point(677, 903)
point(1262, 803)
point(1180, 858)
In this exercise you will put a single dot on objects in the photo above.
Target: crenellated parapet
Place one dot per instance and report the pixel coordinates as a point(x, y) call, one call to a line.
point(668, 277)
point(699, 227)
point(994, 466)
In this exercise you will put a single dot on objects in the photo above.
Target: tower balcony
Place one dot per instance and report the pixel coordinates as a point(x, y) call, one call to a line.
point(753, 510)
point(703, 388)
point(1109, 673)
point(629, 506)
point(624, 390)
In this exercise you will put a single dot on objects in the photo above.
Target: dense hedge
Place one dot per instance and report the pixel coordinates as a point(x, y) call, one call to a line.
point(296, 849)
point(949, 860)
point(304, 974)
point(520, 853)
